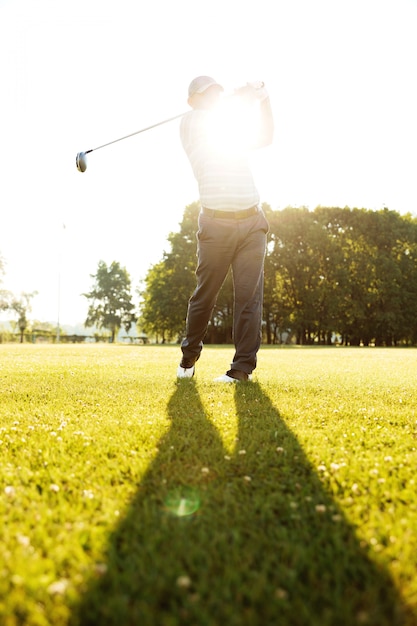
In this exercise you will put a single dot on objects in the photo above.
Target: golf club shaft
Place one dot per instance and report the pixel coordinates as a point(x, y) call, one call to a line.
point(142, 130)
point(170, 119)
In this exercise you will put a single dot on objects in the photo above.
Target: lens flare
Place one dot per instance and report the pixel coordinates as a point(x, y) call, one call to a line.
point(182, 502)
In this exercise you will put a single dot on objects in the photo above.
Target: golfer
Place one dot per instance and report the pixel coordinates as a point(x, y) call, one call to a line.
point(232, 227)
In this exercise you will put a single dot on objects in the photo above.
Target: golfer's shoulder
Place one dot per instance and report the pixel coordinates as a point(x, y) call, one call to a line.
point(192, 123)
point(192, 118)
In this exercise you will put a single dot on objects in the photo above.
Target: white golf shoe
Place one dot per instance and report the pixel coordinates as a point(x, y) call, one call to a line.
point(185, 372)
point(225, 378)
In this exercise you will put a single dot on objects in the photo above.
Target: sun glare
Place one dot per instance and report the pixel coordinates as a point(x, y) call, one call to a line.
point(233, 126)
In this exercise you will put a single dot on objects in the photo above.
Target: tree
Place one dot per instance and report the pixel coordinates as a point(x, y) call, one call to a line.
point(4, 295)
point(22, 307)
point(169, 283)
point(158, 315)
point(111, 304)
point(298, 252)
point(345, 271)
point(377, 275)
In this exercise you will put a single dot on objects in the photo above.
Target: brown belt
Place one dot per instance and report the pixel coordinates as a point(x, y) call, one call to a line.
point(231, 215)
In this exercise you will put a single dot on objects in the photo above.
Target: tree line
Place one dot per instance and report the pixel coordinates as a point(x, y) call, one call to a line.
point(332, 273)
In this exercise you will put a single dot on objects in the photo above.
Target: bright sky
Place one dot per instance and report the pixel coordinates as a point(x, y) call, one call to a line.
point(76, 74)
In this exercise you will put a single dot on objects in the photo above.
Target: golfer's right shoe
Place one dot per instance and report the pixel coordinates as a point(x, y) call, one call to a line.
point(226, 379)
point(185, 372)
point(233, 376)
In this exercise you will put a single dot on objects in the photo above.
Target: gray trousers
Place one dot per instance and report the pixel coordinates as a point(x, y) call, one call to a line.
point(225, 243)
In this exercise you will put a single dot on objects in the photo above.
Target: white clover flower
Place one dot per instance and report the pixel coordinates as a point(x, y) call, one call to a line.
point(59, 587)
point(54, 488)
point(184, 582)
point(205, 470)
point(320, 508)
point(23, 540)
point(247, 478)
point(242, 452)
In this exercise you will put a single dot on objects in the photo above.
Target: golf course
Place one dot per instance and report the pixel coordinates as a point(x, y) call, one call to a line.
point(131, 498)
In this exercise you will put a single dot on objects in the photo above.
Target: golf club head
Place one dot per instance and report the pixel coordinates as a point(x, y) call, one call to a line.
point(81, 161)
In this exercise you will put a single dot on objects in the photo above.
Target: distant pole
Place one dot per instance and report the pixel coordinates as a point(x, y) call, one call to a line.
point(58, 331)
point(59, 306)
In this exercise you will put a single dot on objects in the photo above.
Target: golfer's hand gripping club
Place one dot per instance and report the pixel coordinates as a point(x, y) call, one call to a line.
point(253, 91)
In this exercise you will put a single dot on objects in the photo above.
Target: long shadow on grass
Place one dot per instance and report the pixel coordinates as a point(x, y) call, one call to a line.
point(245, 540)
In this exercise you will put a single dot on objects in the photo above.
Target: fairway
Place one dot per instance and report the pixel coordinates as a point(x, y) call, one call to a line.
point(128, 498)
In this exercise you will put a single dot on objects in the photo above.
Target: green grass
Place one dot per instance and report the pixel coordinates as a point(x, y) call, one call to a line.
point(128, 498)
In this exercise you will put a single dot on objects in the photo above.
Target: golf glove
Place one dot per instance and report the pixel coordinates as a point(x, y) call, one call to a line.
point(259, 90)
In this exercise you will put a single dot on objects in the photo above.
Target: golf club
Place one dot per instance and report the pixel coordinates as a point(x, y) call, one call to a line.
point(81, 158)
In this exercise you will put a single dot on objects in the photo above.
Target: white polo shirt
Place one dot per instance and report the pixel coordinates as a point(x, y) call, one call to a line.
point(223, 173)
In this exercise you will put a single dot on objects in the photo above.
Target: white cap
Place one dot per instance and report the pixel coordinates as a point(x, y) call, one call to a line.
point(200, 84)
